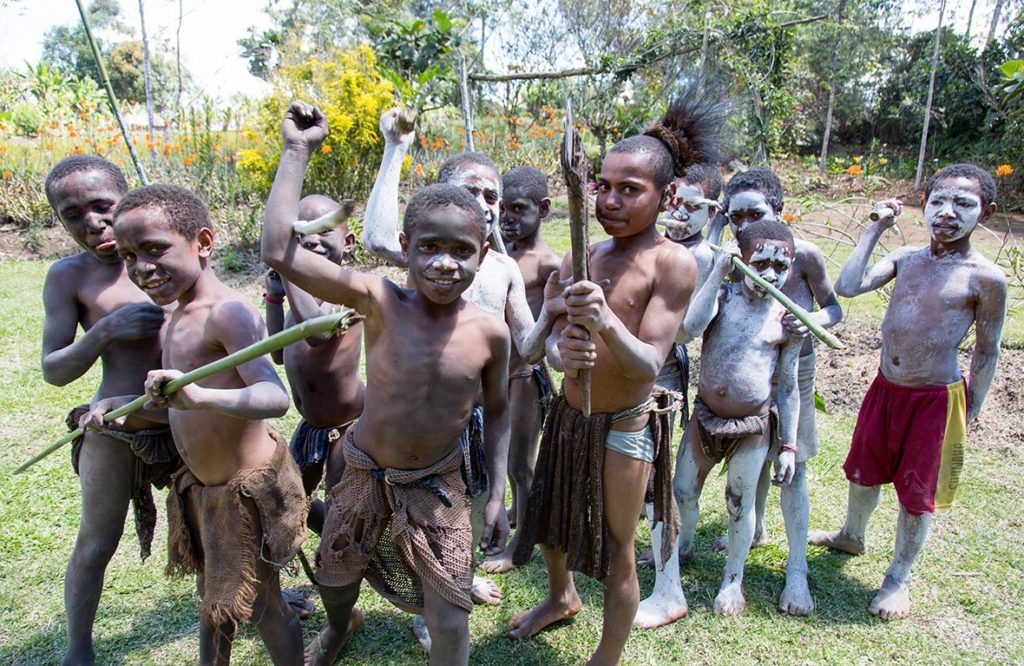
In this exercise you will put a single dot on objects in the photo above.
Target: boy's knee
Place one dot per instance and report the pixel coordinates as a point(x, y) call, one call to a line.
point(685, 493)
point(452, 623)
point(94, 550)
point(737, 503)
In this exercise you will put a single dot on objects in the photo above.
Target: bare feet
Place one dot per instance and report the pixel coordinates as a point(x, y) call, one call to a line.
point(721, 544)
point(730, 601)
point(501, 562)
point(660, 609)
point(324, 649)
point(420, 631)
point(837, 541)
point(796, 597)
point(892, 601)
point(485, 591)
point(549, 612)
point(301, 606)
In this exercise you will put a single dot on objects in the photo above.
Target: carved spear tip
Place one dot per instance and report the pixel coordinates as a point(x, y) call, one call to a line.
point(405, 120)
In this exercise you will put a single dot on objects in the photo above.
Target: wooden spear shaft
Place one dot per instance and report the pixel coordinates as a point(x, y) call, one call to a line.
point(334, 324)
point(574, 172)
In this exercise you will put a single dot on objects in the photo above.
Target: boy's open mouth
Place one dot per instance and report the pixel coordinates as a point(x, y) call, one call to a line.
point(154, 285)
point(106, 246)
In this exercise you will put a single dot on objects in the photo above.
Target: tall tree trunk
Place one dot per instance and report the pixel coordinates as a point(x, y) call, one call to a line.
point(992, 26)
point(828, 130)
point(177, 48)
point(467, 108)
point(970, 20)
point(928, 104)
point(149, 83)
point(707, 35)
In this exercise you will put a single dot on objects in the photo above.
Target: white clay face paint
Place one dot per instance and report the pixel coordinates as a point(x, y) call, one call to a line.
point(478, 179)
point(952, 213)
point(748, 206)
point(683, 222)
point(772, 262)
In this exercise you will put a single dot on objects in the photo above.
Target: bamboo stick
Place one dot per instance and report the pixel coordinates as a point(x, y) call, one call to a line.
point(797, 311)
point(334, 324)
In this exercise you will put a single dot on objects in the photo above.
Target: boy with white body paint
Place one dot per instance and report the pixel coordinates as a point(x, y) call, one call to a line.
point(912, 424)
point(694, 203)
point(497, 289)
point(744, 344)
point(753, 195)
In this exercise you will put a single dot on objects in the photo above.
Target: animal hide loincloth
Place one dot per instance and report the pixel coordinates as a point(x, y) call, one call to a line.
point(565, 510)
point(542, 377)
point(719, 436)
point(224, 531)
point(400, 529)
point(156, 460)
point(310, 445)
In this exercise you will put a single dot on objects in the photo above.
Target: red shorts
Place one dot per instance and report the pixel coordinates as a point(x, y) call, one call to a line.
point(912, 437)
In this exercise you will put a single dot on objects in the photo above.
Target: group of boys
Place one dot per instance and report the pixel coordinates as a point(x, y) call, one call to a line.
point(456, 391)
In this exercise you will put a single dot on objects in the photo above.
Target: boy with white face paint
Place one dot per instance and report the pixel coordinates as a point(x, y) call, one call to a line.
point(694, 204)
point(739, 416)
point(756, 194)
point(912, 424)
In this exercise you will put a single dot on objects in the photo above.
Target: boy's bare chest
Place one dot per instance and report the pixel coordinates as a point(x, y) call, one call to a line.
point(930, 290)
point(188, 345)
point(629, 288)
point(101, 295)
point(744, 324)
point(422, 358)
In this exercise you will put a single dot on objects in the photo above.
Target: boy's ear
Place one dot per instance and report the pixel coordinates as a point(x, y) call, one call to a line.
point(923, 198)
point(987, 211)
point(544, 207)
point(403, 240)
point(350, 242)
point(483, 250)
point(204, 239)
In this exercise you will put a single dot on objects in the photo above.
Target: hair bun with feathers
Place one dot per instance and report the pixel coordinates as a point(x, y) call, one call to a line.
point(693, 127)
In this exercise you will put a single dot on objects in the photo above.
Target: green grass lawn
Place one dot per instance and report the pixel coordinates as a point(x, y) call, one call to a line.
point(967, 589)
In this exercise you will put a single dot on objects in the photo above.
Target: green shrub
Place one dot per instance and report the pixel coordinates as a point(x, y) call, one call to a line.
point(27, 118)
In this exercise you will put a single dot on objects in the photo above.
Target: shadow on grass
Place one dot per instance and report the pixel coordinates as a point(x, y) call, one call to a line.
point(165, 620)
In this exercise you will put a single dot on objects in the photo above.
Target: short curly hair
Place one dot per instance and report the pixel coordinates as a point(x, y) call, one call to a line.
point(660, 158)
point(441, 195)
point(185, 212)
point(452, 165)
point(985, 181)
point(763, 230)
point(76, 163)
point(755, 179)
point(528, 181)
point(708, 177)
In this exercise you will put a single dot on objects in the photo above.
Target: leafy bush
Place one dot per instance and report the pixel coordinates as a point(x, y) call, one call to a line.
point(350, 91)
point(27, 118)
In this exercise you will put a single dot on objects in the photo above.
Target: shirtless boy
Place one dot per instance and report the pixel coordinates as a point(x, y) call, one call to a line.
point(744, 344)
point(323, 371)
point(237, 514)
point(694, 204)
point(497, 289)
point(122, 327)
point(603, 463)
point(402, 502)
point(524, 205)
point(753, 195)
point(912, 425)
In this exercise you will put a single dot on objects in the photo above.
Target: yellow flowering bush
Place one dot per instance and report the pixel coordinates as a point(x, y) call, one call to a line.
point(347, 87)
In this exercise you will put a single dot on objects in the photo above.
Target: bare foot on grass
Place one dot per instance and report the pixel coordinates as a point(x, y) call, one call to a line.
point(549, 612)
point(892, 601)
point(501, 562)
point(796, 597)
point(837, 541)
point(730, 601)
point(485, 591)
point(658, 610)
point(327, 645)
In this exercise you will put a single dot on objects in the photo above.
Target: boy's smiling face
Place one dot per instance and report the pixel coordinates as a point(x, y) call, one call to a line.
point(747, 206)
point(445, 249)
point(628, 199)
point(84, 202)
point(159, 260)
point(520, 215)
point(953, 209)
point(331, 244)
point(483, 183)
point(772, 260)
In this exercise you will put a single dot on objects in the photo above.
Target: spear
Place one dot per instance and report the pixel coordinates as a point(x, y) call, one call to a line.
point(788, 303)
point(332, 324)
point(325, 222)
point(574, 172)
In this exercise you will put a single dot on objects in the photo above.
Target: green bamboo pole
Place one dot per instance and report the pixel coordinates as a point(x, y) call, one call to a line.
point(797, 311)
point(334, 324)
point(111, 99)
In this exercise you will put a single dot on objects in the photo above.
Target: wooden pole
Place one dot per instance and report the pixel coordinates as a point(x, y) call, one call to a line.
point(149, 82)
point(574, 172)
point(467, 109)
point(928, 104)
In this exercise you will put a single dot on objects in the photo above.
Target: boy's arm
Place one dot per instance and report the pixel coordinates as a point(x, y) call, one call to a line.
point(263, 396)
point(381, 219)
point(636, 358)
point(716, 227)
point(536, 343)
point(519, 316)
point(855, 277)
point(303, 129)
point(989, 316)
point(830, 312)
point(787, 397)
point(94, 417)
point(303, 307)
point(497, 428)
point(704, 305)
point(65, 358)
point(273, 299)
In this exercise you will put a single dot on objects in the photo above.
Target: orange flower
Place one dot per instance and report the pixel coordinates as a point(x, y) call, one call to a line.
point(419, 169)
point(167, 150)
point(854, 170)
point(187, 161)
point(72, 133)
point(437, 143)
point(326, 149)
point(8, 174)
point(78, 150)
point(1004, 170)
point(790, 218)
point(230, 159)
